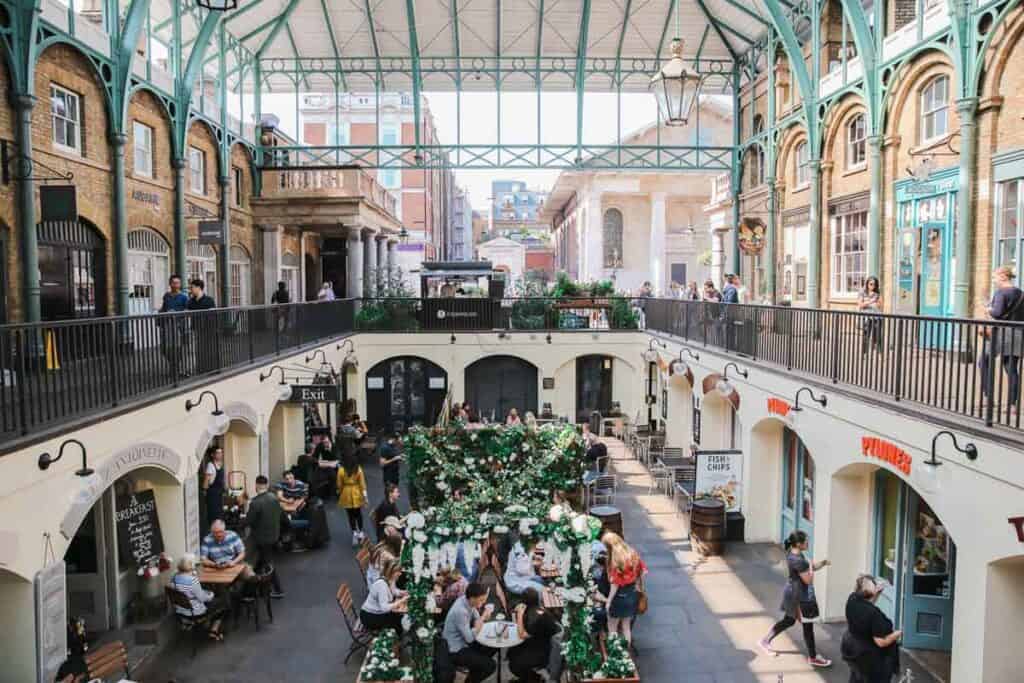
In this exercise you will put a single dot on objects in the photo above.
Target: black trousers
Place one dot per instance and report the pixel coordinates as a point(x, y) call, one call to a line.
point(261, 557)
point(379, 622)
point(478, 659)
point(788, 621)
point(355, 518)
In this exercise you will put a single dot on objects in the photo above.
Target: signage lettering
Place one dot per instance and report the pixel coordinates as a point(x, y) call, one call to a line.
point(1018, 524)
point(315, 393)
point(138, 527)
point(720, 475)
point(211, 232)
point(776, 406)
point(146, 197)
point(873, 447)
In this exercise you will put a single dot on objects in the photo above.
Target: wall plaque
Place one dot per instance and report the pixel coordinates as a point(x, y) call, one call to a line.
point(549, 382)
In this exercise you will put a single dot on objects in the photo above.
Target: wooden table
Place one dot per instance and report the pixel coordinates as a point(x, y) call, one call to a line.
point(220, 577)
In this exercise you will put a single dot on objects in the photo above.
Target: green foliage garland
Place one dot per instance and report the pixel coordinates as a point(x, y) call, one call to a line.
point(381, 663)
point(618, 664)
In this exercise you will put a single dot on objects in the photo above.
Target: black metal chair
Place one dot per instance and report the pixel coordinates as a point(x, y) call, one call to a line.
point(197, 625)
point(259, 590)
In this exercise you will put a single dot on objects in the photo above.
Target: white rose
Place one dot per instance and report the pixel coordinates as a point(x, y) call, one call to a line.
point(579, 524)
point(419, 537)
point(422, 633)
point(555, 513)
point(415, 520)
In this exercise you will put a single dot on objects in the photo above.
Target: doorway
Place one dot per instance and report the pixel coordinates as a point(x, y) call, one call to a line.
point(916, 555)
point(593, 386)
point(90, 563)
point(148, 270)
point(497, 384)
point(404, 391)
point(797, 487)
point(333, 257)
point(72, 270)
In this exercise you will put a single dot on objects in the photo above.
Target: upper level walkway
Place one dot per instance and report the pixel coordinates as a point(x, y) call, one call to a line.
point(57, 375)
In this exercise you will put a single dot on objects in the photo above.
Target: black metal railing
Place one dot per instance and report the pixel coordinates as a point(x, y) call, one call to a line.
point(54, 372)
point(967, 367)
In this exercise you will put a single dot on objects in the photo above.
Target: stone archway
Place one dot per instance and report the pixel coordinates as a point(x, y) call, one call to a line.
point(1004, 620)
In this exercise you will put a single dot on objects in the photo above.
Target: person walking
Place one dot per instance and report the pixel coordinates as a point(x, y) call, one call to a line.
point(390, 458)
point(1006, 342)
point(205, 332)
point(352, 494)
point(264, 521)
point(798, 600)
point(174, 301)
point(870, 644)
point(625, 573)
point(214, 484)
point(281, 296)
point(870, 301)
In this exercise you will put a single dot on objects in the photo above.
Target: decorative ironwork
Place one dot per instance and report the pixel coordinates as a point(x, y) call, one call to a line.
point(15, 166)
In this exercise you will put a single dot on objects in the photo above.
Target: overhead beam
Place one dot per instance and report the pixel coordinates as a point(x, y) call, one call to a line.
point(622, 38)
point(195, 59)
point(414, 53)
point(664, 28)
point(739, 34)
point(281, 23)
point(717, 29)
point(795, 55)
point(581, 74)
point(295, 51)
point(749, 12)
point(865, 43)
point(373, 40)
point(252, 4)
point(334, 40)
point(703, 39)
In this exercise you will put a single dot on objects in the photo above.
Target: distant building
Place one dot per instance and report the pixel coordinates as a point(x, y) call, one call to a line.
point(460, 240)
point(479, 221)
point(513, 202)
point(507, 256)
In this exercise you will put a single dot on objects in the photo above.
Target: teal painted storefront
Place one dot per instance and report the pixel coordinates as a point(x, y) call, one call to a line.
point(797, 487)
point(915, 554)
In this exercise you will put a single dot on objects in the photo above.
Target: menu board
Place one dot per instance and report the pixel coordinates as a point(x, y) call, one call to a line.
point(720, 475)
point(138, 527)
point(51, 621)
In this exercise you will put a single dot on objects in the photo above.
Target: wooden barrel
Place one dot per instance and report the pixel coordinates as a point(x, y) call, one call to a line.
point(611, 518)
point(707, 525)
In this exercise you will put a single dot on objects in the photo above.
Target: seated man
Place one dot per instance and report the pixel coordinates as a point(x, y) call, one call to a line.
point(461, 627)
point(290, 490)
point(222, 548)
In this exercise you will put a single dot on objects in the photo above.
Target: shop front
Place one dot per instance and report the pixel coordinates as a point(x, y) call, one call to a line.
point(796, 241)
point(797, 487)
point(914, 553)
point(926, 236)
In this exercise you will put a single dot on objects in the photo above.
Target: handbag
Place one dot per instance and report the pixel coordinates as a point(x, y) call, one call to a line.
point(641, 604)
point(808, 604)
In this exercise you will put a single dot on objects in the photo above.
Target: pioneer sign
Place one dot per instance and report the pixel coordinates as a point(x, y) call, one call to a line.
point(315, 393)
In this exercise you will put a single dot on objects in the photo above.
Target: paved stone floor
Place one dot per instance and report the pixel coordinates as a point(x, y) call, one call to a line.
point(705, 618)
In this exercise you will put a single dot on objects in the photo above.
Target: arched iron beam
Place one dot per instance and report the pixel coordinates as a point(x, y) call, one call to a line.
point(417, 78)
point(581, 75)
point(717, 29)
point(795, 55)
point(282, 20)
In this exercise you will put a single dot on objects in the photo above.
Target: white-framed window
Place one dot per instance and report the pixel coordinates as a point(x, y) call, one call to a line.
point(935, 109)
point(241, 276)
point(148, 270)
point(856, 142)
point(849, 253)
point(757, 169)
point(197, 170)
point(66, 108)
point(1009, 237)
point(142, 144)
point(389, 177)
point(803, 173)
point(201, 260)
point(290, 267)
point(236, 185)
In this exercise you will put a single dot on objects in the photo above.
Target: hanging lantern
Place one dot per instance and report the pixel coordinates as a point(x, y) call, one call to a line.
point(218, 5)
point(675, 88)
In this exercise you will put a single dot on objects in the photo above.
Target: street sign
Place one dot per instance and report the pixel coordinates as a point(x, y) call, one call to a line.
point(315, 393)
point(211, 232)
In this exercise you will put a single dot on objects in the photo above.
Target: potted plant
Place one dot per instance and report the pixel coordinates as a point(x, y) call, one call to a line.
point(618, 665)
point(382, 663)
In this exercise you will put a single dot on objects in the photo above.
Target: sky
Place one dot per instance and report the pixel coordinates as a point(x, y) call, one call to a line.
point(479, 115)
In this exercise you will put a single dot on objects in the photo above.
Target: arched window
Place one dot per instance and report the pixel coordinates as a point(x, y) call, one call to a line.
point(611, 235)
point(856, 141)
point(202, 264)
point(803, 175)
point(241, 276)
point(757, 169)
point(148, 270)
point(935, 109)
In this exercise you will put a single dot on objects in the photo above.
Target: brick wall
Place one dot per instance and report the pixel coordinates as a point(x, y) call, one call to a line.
point(9, 244)
point(150, 200)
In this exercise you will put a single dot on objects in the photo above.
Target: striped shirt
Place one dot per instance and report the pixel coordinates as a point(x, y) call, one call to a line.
point(223, 551)
point(193, 590)
point(298, 490)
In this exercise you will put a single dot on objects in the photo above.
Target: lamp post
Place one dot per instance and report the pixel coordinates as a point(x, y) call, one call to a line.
point(45, 459)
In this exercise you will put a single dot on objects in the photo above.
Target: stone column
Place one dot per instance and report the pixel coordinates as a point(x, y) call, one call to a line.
point(271, 259)
point(593, 241)
point(874, 145)
point(657, 242)
point(967, 108)
point(118, 141)
point(224, 263)
point(814, 248)
point(392, 259)
point(23, 106)
point(370, 264)
point(383, 272)
point(354, 274)
point(180, 231)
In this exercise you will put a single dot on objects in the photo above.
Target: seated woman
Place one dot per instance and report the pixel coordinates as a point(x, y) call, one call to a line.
point(202, 601)
point(453, 586)
point(384, 603)
point(521, 571)
point(537, 626)
point(388, 550)
point(513, 418)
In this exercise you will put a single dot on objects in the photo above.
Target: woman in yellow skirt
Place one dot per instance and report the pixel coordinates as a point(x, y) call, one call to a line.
point(352, 494)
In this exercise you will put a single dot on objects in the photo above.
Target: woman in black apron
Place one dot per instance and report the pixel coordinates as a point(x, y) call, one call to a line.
point(213, 478)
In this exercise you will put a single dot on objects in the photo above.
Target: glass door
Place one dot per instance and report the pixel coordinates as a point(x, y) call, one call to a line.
point(928, 581)
point(797, 487)
point(936, 235)
point(889, 517)
point(593, 386)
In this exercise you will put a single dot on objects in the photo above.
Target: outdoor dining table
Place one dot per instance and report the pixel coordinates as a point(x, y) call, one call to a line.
point(676, 463)
point(219, 577)
point(499, 635)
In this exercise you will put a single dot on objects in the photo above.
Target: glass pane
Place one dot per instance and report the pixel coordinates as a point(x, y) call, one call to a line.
point(807, 507)
point(790, 493)
point(888, 525)
point(417, 389)
point(1008, 215)
point(1006, 255)
point(931, 554)
point(397, 388)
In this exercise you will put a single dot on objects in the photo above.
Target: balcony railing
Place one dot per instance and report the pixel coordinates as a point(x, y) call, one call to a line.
point(53, 373)
point(327, 182)
point(939, 363)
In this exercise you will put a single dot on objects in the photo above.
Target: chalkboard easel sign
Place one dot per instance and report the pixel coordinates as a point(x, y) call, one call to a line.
point(138, 527)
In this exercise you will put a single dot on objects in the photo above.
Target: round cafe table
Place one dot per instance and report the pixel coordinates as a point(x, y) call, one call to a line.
point(490, 636)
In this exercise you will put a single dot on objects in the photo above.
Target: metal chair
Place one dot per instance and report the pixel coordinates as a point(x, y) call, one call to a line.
point(260, 590)
point(196, 625)
point(603, 490)
point(363, 561)
point(661, 477)
point(361, 637)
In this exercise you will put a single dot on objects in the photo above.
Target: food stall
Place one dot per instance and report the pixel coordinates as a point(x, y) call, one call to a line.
point(460, 295)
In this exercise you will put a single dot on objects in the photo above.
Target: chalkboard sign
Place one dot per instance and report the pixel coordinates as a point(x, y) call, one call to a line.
point(138, 527)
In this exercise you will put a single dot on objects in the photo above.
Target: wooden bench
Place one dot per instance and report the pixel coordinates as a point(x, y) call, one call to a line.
point(108, 660)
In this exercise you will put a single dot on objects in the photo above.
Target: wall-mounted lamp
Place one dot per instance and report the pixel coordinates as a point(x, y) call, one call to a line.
point(318, 352)
point(284, 390)
point(350, 361)
point(651, 354)
point(931, 473)
point(453, 338)
point(822, 400)
point(723, 386)
point(219, 422)
point(45, 459)
point(680, 366)
point(549, 337)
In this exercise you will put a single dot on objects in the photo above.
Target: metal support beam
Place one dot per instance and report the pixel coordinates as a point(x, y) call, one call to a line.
point(295, 50)
point(749, 12)
point(334, 41)
point(622, 38)
point(373, 41)
point(581, 76)
point(282, 21)
point(718, 29)
point(414, 53)
point(664, 28)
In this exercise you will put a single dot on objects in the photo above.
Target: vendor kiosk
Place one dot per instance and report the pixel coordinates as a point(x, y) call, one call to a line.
point(460, 295)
